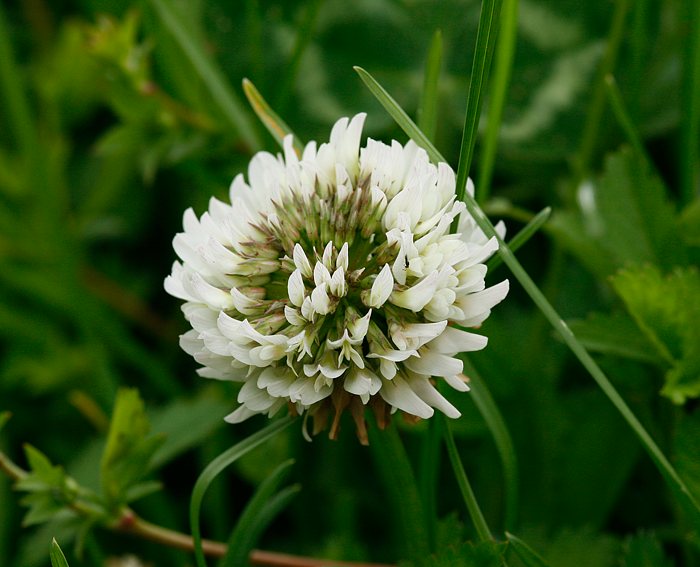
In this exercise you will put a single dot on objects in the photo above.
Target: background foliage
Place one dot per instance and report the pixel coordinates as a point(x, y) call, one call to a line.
point(109, 129)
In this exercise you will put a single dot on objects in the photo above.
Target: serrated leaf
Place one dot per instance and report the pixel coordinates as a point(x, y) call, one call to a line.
point(615, 334)
point(129, 448)
point(644, 550)
point(667, 309)
point(56, 555)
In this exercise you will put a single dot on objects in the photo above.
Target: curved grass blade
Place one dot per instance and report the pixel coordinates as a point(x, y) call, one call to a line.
point(504, 443)
point(623, 118)
point(252, 521)
point(216, 467)
point(396, 472)
point(505, 52)
point(56, 555)
point(210, 74)
point(522, 236)
point(482, 528)
point(662, 463)
point(273, 123)
point(525, 553)
point(485, 42)
point(427, 112)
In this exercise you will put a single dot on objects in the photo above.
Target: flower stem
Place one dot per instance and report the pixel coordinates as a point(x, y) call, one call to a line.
point(465, 487)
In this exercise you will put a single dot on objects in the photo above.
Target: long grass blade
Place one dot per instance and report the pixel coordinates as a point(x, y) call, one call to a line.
point(56, 555)
point(210, 74)
point(525, 553)
point(216, 467)
point(624, 119)
point(504, 443)
point(482, 528)
point(521, 238)
point(275, 125)
point(249, 526)
point(597, 104)
point(485, 42)
point(690, 107)
point(428, 109)
point(395, 470)
point(505, 52)
point(662, 463)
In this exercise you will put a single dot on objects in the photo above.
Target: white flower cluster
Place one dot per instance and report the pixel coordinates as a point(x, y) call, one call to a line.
point(331, 282)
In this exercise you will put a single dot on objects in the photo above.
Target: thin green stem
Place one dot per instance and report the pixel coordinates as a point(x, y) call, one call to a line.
point(303, 39)
point(428, 109)
point(465, 488)
point(597, 104)
point(527, 232)
point(485, 42)
point(623, 118)
point(428, 474)
point(690, 107)
point(397, 474)
point(504, 444)
point(209, 73)
point(505, 52)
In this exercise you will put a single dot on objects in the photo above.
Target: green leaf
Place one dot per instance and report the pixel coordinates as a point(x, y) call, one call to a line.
point(428, 110)
point(216, 467)
point(129, 449)
point(615, 334)
point(56, 555)
point(525, 553)
point(690, 223)
point(644, 550)
point(667, 309)
point(256, 516)
point(686, 450)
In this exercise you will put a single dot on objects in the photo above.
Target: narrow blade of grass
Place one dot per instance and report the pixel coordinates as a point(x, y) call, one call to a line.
point(250, 524)
point(427, 112)
point(690, 106)
point(527, 232)
point(525, 553)
point(216, 467)
point(56, 555)
point(428, 472)
point(597, 105)
point(303, 38)
point(396, 472)
point(504, 444)
point(275, 125)
point(210, 74)
point(485, 42)
point(662, 463)
point(482, 528)
point(623, 118)
point(505, 52)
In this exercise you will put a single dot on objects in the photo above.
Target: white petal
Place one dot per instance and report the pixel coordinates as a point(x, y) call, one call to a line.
point(453, 341)
point(429, 394)
point(382, 287)
point(241, 414)
point(295, 288)
point(457, 383)
point(301, 261)
point(398, 394)
point(433, 363)
point(418, 296)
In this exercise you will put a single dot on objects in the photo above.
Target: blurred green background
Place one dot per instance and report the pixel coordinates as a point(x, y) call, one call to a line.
point(110, 128)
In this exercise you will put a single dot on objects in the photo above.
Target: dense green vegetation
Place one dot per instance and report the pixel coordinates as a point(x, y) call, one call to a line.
point(115, 118)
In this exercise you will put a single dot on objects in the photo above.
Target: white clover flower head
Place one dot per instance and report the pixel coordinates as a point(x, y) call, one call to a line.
point(331, 282)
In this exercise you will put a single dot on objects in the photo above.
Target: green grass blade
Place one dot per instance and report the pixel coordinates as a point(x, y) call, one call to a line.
point(249, 526)
point(505, 52)
point(303, 39)
point(216, 467)
point(399, 115)
point(210, 74)
point(504, 443)
point(396, 472)
point(597, 104)
point(428, 473)
point(624, 119)
point(662, 463)
point(485, 42)
point(525, 553)
point(56, 555)
point(428, 110)
point(523, 236)
point(482, 528)
point(690, 106)
point(275, 125)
